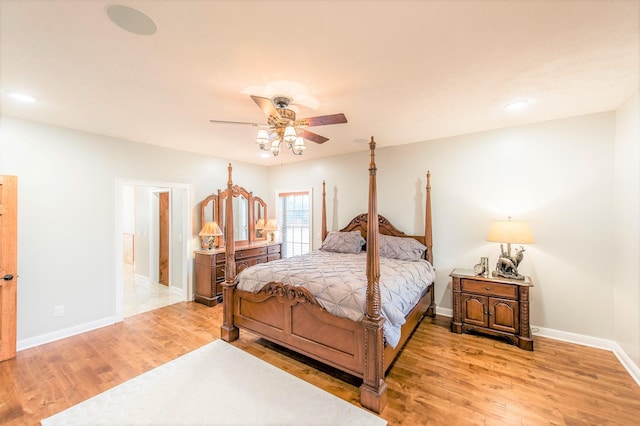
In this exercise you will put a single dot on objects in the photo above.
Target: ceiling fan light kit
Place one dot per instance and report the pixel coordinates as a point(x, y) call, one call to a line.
point(282, 126)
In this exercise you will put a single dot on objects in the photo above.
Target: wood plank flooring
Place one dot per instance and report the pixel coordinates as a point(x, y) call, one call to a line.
point(440, 378)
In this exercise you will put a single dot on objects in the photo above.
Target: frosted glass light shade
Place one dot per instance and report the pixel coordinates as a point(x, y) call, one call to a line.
point(299, 145)
point(290, 134)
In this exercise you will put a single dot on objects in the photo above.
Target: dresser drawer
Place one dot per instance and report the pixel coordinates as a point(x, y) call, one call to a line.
point(489, 288)
point(219, 273)
point(274, 249)
point(273, 257)
point(259, 251)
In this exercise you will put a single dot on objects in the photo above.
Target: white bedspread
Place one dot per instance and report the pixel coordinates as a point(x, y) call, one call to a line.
point(339, 283)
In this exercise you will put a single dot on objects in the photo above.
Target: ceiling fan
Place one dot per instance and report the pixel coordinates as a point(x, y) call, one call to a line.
point(282, 125)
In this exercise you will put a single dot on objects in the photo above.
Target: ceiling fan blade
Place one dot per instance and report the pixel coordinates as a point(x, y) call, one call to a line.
point(267, 107)
point(239, 122)
point(310, 136)
point(322, 120)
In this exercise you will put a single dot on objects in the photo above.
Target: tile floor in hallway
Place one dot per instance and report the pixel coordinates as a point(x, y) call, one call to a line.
point(140, 296)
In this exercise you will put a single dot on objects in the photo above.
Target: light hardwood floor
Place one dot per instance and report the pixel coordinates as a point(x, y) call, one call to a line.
point(440, 378)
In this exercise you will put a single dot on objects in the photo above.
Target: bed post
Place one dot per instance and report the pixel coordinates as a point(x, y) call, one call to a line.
point(228, 331)
point(324, 212)
point(428, 225)
point(373, 392)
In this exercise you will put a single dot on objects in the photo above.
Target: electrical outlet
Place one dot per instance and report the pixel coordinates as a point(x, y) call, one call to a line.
point(58, 311)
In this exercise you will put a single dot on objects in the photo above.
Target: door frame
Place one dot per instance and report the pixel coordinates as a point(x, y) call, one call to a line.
point(187, 276)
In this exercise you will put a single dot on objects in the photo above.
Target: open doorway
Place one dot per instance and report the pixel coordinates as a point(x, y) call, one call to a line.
point(153, 253)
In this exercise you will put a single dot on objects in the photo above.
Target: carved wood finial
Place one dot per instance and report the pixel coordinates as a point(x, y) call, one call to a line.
point(372, 149)
point(428, 221)
point(324, 212)
point(373, 257)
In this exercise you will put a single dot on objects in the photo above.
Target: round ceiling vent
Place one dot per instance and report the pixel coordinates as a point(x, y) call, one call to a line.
point(131, 20)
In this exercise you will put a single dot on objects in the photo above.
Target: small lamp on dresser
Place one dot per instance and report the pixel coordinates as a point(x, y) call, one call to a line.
point(509, 232)
point(271, 226)
point(210, 231)
point(260, 228)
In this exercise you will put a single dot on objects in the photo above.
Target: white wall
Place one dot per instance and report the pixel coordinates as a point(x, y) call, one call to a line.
point(557, 175)
point(625, 267)
point(67, 215)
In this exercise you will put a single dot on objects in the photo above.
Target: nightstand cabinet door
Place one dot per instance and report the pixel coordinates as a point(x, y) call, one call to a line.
point(475, 310)
point(503, 315)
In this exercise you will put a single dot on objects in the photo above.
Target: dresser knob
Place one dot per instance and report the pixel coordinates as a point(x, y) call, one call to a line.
point(487, 288)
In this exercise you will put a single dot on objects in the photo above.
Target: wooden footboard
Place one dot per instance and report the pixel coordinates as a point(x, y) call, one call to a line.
point(291, 317)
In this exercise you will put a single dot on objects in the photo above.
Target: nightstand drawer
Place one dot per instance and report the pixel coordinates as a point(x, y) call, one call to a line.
point(489, 288)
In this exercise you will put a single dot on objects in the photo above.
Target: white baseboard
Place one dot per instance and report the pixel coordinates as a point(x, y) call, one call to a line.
point(61, 334)
point(142, 279)
point(177, 291)
point(579, 339)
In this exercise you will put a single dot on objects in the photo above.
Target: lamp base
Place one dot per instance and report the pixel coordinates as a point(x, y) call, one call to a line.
point(511, 275)
point(507, 266)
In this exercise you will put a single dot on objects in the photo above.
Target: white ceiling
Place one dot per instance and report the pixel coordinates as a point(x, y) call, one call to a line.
point(402, 71)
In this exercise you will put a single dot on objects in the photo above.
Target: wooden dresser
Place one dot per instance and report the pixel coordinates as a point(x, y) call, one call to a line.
point(209, 265)
point(492, 305)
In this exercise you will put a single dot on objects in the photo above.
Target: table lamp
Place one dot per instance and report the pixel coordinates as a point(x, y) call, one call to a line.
point(509, 232)
point(270, 227)
point(260, 228)
point(210, 230)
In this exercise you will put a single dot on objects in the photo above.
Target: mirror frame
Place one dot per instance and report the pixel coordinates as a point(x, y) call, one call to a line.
point(213, 198)
point(219, 212)
point(257, 201)
point(236, 191)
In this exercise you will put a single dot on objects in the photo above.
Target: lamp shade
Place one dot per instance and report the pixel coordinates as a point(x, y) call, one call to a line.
point(210, 229)
point(511, 232)
point(290, 134)
point(260, 224)
point(271, 225)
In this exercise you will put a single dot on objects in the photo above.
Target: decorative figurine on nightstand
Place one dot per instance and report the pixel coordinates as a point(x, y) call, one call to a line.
point(506, 231)
point(507, 265)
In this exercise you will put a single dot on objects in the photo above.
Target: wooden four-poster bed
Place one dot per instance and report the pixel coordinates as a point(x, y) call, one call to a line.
point(291, 316)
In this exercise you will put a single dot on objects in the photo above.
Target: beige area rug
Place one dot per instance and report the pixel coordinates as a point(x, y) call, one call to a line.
point(217, 384)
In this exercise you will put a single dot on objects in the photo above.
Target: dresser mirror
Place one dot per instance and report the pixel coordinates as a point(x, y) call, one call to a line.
point(249, 215)
point(259, 218)
point(208, 213)
point(240, 215)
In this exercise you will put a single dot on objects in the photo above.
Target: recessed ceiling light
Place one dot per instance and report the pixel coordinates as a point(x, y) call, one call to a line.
point(131, 19)
point(516, 105)
point(22, 97)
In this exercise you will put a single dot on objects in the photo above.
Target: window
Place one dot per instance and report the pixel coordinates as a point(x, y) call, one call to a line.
point(294, 219)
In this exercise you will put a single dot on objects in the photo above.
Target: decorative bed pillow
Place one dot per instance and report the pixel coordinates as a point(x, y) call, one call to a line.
point(343, 242)
point(401, 248)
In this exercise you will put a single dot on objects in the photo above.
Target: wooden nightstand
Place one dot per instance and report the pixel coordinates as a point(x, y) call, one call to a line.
point(492, 305)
